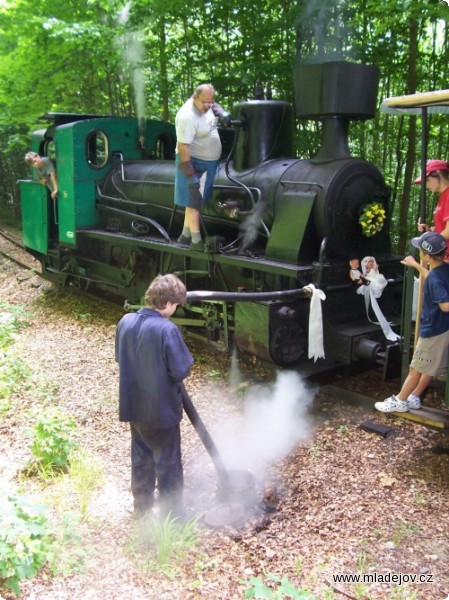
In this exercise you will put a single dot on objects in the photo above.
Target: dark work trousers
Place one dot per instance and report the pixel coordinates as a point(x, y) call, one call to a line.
point(156, 456)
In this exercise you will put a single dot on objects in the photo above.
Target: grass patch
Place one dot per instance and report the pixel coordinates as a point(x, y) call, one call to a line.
point(86, 476)
point(158, 545)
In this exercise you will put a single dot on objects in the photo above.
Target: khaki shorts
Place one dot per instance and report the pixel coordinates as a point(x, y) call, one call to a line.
point(430, 356)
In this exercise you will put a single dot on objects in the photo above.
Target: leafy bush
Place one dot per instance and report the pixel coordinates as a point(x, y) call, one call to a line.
point(13, 370)
point(51, 443)
point(12, 318)
point(24, 540)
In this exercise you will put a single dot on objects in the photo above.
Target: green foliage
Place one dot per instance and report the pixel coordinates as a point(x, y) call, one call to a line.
point(51, 444)
point(86, 473)
point(12, 318)
point(67, 553)
point(215, 374)
point(284, 589)
point(162, 545)
point(25, 541)
point(13, 369)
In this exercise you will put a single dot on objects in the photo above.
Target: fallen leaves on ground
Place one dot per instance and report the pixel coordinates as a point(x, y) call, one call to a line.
point(344, 500)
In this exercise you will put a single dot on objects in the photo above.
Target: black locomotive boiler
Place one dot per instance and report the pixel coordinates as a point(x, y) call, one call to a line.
point(276, 222)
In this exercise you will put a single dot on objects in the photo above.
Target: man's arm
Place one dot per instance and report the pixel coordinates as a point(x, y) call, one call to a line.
point(54, 184)
point(445, 232)
point(444, 306)
point(184, 152)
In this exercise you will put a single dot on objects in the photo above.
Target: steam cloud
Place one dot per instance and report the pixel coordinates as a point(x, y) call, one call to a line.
point(133, 55)
point(251, 225)
point(274, 421)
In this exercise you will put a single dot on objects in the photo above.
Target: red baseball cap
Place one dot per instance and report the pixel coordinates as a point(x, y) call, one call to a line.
point(432, 166)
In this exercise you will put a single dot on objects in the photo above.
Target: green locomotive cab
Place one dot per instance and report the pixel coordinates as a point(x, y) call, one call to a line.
point(83, 148)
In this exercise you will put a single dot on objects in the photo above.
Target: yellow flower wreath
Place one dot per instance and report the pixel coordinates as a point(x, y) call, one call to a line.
point(372, 219)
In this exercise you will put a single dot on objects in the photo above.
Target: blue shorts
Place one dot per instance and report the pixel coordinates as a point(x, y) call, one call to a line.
point(182, 192)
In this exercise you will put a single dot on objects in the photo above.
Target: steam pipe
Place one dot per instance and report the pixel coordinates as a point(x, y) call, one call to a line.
point(198, 296)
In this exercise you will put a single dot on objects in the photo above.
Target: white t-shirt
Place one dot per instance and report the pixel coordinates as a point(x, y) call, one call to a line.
point(199, 130)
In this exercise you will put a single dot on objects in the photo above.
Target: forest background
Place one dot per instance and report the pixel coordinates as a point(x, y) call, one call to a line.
point(144, 58)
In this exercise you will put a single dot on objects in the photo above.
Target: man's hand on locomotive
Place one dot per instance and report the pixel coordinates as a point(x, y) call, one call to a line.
point(224, 118)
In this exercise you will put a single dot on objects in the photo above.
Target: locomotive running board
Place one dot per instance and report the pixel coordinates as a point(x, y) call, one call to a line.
point(265, 265)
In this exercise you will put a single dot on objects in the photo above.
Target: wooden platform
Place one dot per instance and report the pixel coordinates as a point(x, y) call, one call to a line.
point(432, 417)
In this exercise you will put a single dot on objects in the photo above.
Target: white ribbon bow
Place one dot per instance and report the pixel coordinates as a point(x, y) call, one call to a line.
point(316, 346)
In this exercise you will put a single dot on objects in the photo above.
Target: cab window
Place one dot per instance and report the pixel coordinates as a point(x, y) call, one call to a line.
point(97, 149)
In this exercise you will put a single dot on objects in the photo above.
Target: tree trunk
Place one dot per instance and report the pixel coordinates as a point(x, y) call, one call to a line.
point(163, 70)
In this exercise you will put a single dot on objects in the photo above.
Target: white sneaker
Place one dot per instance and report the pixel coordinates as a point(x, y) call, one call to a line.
point(391, 404)
point(414, 401)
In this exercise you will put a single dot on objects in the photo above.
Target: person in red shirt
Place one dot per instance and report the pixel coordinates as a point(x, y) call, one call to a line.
point(437, 181)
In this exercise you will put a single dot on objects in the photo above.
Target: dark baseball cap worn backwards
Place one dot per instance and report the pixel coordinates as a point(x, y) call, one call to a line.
point(430, 242)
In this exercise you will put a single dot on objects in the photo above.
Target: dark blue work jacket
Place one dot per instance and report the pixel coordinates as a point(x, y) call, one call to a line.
point(153, 359)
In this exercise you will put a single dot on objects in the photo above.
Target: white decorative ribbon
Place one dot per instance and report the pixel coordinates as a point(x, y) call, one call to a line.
point(382, 321)
point(316, 345)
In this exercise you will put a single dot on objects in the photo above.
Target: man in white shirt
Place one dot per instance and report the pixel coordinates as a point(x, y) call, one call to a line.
point(198, 151)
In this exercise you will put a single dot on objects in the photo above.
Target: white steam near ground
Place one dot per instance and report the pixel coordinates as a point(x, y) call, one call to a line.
point(274, 420)
point(265, 426)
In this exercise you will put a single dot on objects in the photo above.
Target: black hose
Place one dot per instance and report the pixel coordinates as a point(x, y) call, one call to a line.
point(198, 296)
point(204, 436)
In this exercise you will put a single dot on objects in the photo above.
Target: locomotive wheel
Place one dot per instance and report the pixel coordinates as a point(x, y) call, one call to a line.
point(287, 344)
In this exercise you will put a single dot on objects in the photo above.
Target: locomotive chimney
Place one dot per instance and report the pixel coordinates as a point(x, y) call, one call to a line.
point(335, 93)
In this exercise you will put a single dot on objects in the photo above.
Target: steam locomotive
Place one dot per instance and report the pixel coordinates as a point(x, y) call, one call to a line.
point(276, 222)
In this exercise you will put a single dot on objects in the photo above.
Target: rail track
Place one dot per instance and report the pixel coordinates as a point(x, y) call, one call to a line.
point(34, 266)
point(17, 243)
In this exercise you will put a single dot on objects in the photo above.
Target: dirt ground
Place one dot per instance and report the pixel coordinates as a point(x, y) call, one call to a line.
point(330, 497)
